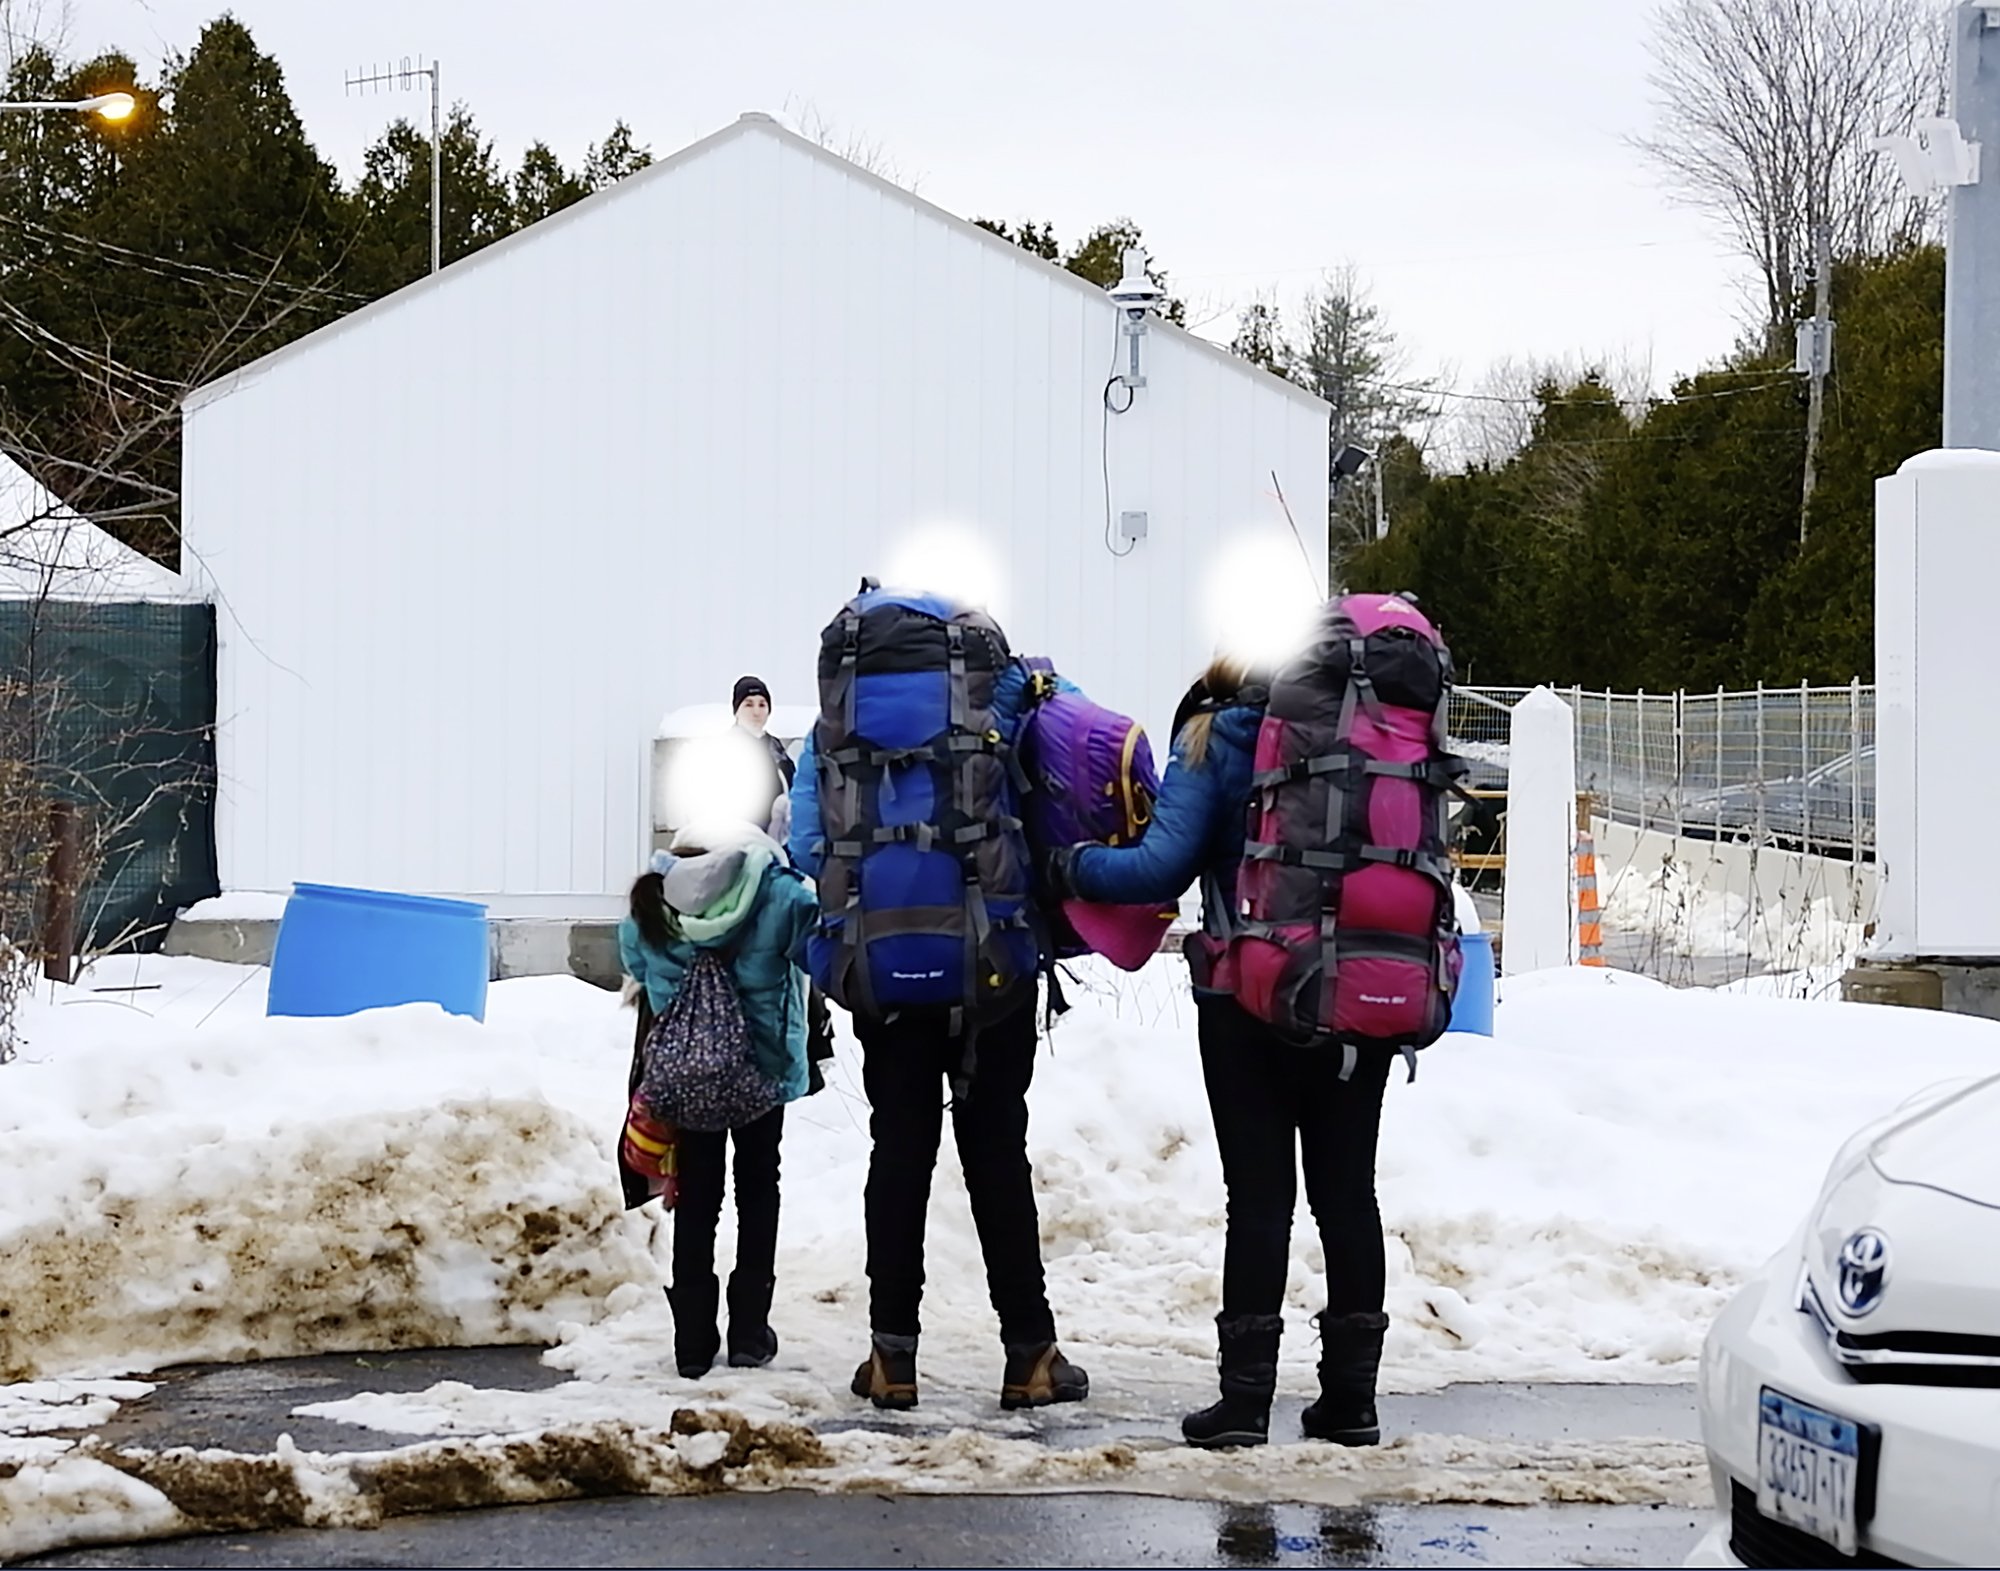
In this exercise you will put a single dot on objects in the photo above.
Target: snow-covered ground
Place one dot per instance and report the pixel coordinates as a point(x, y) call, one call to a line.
point(1571, 1200)
point(1679, 904)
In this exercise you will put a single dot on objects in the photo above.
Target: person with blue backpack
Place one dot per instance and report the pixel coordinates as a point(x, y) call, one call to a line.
point(1309, 802)
point(906, 812)
point(711, 939)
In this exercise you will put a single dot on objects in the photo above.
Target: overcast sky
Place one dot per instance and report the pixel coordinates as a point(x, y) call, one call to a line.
point(1470, 158)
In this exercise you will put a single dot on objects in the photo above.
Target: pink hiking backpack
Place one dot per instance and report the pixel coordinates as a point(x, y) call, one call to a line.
point(1345, 929)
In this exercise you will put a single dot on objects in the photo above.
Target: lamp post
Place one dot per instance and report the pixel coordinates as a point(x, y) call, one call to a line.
point(106, 106)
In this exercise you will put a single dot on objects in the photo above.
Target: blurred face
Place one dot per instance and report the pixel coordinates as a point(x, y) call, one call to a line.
point(754, 713)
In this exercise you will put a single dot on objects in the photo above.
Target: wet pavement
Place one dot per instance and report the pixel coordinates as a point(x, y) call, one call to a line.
point(245, 1407)
point(795, 1529)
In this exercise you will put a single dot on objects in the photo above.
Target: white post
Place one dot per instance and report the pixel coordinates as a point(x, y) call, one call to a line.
point(1972, 250)
point(1539, 920)
point(1937, 525)
point(1854, 772)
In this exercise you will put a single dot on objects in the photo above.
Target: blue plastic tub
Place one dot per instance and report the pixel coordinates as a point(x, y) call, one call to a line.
point(1472, 1007)
point(341, 951)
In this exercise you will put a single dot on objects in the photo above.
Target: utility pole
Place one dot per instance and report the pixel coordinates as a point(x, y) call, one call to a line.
point(1972, 253)
point(404, 77)
point(1381, 515)
point(1815, 356)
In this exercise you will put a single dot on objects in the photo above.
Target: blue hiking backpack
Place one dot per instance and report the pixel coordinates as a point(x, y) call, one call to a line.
point(925, 884)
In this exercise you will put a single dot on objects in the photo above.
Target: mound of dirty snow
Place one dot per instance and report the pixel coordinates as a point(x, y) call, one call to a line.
point(213, 1185)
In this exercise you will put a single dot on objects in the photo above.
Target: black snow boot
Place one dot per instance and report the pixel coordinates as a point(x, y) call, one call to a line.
point(1350, 1355)
point(889, 1377)
point(696, 1341)
point(752, 1342)
point(1037, 1375)
point(1249, 1363)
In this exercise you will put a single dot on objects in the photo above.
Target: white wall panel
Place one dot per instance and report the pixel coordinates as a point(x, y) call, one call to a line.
point(469, 545)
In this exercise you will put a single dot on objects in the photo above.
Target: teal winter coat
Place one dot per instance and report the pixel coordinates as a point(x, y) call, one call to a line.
point(759, 937)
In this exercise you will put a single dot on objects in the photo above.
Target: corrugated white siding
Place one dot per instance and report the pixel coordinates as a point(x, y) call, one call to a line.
point(468, 547)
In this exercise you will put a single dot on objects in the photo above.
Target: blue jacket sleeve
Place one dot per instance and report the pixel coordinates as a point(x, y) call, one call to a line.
point(1169, 858)
point(803, 843)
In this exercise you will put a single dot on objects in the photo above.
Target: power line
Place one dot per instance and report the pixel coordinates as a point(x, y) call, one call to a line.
point(146, 261)
point(1448, 259)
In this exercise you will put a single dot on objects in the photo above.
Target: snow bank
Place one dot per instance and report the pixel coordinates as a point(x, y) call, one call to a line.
point(1571, 1199)
point(1565, 1201)
point(190, 1181)
point(237, 905)
point(1687, 914)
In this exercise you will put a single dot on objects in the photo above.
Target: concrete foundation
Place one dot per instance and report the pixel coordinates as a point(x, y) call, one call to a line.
point(1958, 987)
point(516, 945)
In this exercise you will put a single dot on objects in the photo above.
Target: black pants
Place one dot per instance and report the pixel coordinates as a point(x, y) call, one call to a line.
point(702, 1160)
point(904, 1067)
point(1260, 1092)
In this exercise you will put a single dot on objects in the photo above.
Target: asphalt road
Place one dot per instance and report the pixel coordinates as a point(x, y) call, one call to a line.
point(794, 1529)
point(245, 1407)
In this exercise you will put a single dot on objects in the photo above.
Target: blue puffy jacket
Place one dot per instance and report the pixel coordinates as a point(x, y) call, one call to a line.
point(807, 841)
point(761, 962)
point(1198, 825)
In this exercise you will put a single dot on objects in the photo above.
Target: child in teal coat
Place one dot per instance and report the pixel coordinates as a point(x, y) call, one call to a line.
point(729, 890)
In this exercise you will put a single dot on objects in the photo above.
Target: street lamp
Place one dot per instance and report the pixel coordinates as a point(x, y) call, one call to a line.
point(106, 106)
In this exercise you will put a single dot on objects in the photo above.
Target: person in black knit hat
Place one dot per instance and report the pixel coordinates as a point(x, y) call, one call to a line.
point(750, 702)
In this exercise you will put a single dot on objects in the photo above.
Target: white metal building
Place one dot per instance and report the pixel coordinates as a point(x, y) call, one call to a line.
point(468, 544)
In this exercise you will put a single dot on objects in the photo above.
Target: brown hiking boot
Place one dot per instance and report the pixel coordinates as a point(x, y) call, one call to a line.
point(889, 1377)
point(1037, 1375)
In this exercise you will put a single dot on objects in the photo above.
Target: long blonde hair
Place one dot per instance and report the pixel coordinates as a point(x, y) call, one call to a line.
point(1224, 676)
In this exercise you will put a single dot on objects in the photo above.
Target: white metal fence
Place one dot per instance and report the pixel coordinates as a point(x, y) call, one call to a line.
point(1788, 766)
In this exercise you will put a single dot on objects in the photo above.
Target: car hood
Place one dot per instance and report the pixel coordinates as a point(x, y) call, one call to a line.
point(1952, 1145)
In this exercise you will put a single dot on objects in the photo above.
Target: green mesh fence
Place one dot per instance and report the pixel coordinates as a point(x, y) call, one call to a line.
point(110, 708)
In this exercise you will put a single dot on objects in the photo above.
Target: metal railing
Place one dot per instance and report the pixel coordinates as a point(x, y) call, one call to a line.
point(1791, 766)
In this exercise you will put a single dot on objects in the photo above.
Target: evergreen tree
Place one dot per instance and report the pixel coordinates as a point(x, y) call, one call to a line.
point(393, 199)
point(1260, 338)
point(1037, 239)
point(612, 159)
point(542, 186)
point(153, 255)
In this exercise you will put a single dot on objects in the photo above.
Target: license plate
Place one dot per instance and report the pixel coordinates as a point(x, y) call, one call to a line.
point(1809, 1469)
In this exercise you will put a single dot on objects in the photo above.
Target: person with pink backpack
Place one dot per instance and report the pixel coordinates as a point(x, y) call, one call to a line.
point(1310, 803)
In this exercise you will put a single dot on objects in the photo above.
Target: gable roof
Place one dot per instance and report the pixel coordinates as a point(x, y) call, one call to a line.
point(48, 551)
point(751, 124)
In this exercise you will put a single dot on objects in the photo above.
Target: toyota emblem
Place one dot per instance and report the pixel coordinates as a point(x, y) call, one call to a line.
point(1864, 1270)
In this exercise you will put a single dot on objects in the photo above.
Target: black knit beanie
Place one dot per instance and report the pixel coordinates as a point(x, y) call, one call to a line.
point(748, 687)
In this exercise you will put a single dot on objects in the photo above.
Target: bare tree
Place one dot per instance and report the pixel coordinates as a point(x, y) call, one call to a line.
point(1496, 419)
point(87, 763)
point(1348, 355)
point(86, 758)
point(1766, 113)
point(864, 152)
point(34, 24)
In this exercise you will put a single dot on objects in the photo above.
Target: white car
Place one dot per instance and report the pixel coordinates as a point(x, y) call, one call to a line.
point(1850, 1394)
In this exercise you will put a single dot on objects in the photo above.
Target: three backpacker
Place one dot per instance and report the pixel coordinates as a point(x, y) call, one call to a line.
point(1344, 929)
